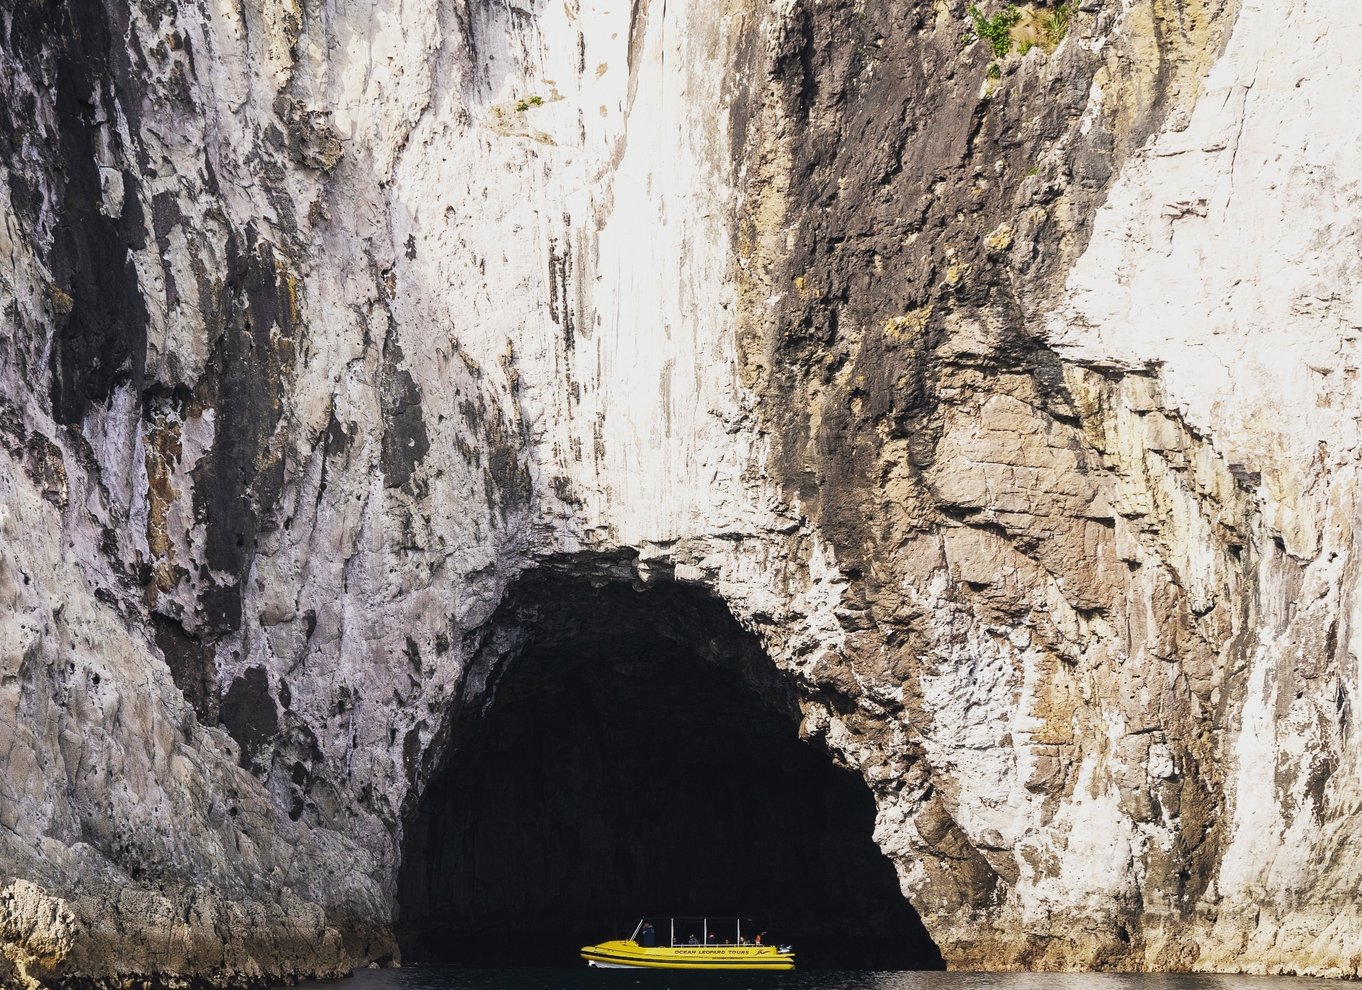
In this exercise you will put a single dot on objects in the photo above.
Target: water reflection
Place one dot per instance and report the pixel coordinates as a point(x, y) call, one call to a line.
point(477, 978)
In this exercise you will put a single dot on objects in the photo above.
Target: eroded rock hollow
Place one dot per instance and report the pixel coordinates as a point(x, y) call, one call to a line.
point(640, 752)
point(974, 399)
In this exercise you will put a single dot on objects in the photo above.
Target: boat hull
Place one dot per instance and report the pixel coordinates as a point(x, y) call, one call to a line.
point(625, 954)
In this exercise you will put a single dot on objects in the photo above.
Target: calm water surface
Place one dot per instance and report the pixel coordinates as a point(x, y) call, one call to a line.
point(581, 978)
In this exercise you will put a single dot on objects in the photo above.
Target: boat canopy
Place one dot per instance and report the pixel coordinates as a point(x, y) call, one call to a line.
point(677, 930)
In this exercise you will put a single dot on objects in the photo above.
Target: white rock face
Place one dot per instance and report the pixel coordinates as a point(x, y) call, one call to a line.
point(425, 295)
point(1225, 253)
point(1227, 256)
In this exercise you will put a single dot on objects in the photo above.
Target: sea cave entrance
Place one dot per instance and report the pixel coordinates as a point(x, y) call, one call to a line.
point(635, 752)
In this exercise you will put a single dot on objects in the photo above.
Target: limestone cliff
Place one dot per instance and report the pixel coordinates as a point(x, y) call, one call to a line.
point(1007, 398)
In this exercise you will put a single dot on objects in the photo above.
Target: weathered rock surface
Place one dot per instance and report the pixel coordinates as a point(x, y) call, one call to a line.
point(1010, 403)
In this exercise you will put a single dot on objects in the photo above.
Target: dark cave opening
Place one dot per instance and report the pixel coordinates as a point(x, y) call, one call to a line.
point(637, 753)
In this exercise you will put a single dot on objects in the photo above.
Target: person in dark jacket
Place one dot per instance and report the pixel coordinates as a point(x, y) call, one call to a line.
point(647, 938)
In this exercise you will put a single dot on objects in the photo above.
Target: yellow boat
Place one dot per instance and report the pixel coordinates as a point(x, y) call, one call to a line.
point(703, 943)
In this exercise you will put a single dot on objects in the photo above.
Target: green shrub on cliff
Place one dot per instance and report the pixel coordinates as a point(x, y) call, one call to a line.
point(996, 30)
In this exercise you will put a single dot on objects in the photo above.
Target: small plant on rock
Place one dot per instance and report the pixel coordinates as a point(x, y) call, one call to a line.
point(996, 30)
point(529, 101)
point(1056, 25)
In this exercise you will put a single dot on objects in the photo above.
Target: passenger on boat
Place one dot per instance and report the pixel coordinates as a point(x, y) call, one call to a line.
point(648, 937)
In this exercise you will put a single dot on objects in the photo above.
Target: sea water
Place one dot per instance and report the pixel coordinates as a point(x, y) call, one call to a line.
point(582, 978)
